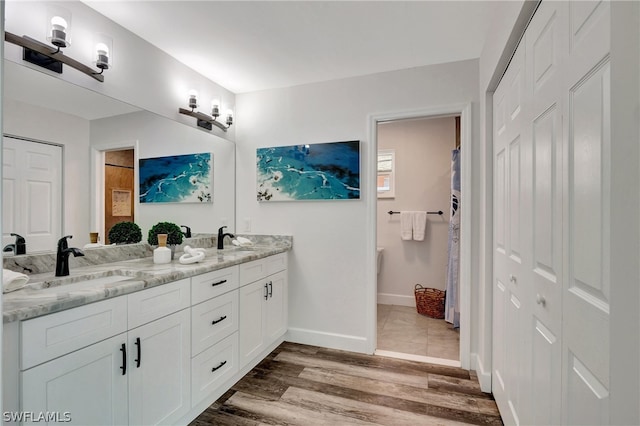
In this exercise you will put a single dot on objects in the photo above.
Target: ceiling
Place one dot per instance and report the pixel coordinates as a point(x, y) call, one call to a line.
point(247, 46)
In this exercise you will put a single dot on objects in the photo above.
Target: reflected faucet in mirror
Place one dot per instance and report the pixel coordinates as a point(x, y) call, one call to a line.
point(19, 247)
point(62, 257)
point(221, 235)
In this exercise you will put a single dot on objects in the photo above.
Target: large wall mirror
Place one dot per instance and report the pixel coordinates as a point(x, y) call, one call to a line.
point(57, 138)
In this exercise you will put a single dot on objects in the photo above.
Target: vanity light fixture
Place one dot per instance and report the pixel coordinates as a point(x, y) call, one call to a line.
point(52, 59)
point(203, 120)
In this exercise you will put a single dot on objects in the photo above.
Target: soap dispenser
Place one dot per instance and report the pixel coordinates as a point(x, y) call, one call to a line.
point(162, 254)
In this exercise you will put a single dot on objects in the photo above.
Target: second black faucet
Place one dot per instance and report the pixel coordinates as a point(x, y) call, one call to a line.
point(221, 235)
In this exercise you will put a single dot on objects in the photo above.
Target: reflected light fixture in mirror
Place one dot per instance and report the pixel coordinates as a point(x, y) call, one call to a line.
point(203, 120)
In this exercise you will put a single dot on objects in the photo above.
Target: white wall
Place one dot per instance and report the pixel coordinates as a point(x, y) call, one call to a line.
point(72, 133)
point(155, 136)
point(328, 265)
point(423, 182)
point(141, 74)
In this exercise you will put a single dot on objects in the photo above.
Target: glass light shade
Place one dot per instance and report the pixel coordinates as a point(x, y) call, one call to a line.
point(215, 107)
point(102, 56)
point(193, 99)
point(58, 31)
point(229, 117)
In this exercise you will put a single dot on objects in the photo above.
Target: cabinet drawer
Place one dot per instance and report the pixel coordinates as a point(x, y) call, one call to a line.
point(212, 284)
point(53, 335)
point(213, 320)
point(213, 367)
point(253, 271)
point(153, 303)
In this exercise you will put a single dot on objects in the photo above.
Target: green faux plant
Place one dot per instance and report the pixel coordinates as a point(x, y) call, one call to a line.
point(125, 233)
point(173, 231)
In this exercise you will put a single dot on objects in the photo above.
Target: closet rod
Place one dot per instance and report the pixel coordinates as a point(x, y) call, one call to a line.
point(440, 212)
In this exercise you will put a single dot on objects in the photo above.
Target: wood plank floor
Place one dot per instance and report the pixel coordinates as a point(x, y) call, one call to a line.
point(308, 385)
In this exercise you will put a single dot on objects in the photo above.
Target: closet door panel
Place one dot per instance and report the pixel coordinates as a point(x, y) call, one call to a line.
point(546, 42)
point(586, 290)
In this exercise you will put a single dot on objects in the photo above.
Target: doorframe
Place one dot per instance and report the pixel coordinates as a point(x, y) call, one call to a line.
point(97, 181)
point(464, 110)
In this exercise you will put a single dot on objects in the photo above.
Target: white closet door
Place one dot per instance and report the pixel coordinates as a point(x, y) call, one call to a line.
point(586, 291)
point(545, 43)
point(31, 193)
point(511, 253)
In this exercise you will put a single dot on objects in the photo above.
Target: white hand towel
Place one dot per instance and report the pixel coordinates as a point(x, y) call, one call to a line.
point(12, 281)
point(406, 225)
point(419, 225)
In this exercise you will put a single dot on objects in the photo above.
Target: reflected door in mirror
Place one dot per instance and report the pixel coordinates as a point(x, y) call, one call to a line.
point(118, 188)
point(31, 193)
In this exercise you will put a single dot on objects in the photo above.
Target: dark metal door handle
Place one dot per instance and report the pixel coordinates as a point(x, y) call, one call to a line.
point(139, 352)
point(218, 320)
point(266, 291)
point(218, 367)
point(123, 349)
point(270, 288)
point(218, 283)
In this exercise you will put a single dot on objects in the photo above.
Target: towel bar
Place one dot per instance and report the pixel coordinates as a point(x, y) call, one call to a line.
point(440, 212)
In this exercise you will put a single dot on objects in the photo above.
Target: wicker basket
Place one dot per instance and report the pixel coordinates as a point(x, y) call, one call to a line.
point(429, 301)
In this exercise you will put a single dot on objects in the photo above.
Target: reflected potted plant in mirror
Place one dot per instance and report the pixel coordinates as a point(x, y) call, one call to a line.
point(173, 231)
point(125, 233)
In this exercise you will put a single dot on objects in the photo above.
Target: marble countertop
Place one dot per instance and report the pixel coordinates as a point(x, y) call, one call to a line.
point(46, 294)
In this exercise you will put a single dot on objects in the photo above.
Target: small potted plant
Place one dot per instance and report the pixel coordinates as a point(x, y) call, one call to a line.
point(173, 231)
point(125, 233)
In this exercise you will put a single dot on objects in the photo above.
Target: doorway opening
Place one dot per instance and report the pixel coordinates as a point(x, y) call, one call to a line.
point(398, 330)
point(414, 175)
point(114, 194)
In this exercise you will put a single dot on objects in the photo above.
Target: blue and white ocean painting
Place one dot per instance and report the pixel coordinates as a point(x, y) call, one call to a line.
point(323, 171)
point(177, 179)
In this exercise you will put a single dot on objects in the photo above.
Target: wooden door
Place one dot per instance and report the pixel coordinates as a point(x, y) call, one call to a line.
point(252, 317)
point(118, 189)
point(31, 193)
point(586, 287)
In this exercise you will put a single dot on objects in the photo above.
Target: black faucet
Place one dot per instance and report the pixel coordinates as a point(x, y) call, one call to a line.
point(221, 236)
point(19, 247)
point(187, 233)
point(62, 258)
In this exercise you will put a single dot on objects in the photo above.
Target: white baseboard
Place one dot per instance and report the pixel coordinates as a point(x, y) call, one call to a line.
point(396, 299)
point(484, 377)
point(328, 340)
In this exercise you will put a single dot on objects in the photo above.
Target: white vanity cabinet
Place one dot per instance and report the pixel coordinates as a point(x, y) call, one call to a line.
point(263, 305)
point(157, 356)
point(139, 376)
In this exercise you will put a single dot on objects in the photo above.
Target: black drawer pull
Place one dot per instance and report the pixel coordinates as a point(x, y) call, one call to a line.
point(218, 367)
point(123, 349)
point(139, 352)
point(266, 291)
point(218, 283)
point(270, 283)
point(214, 322)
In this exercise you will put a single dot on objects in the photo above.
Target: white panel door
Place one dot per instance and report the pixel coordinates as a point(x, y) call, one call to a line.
point(31, 193)
point(159, 370)
point(586, 287)
point(276, 306)
point(545, 44)
point(511, 252)
point(89, 384)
